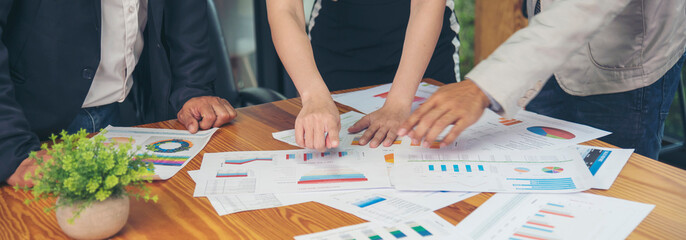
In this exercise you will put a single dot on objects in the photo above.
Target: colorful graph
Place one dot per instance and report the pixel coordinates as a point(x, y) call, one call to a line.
point(543, 183)
point(435, 145)
point(307, 156)
point(342, 154)
point(244, 161)
point(332, 176)
point(356, 141)
point(521, 169)
point(542, 224)
point(290, 156)
point(371, 234)
point(384, 95)
point(594, 159)
point(419, 229)
point(509, 121)
point(369, 201)
point(164, 160)
point(324, 154)
point(227, 173)
point(390, 158)
point(455, 168)
point(551, 132)
point(395, 232)
point(552, 169)
point(169, 146)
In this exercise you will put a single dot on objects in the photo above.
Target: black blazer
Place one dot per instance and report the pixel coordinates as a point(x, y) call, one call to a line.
point(50, 51)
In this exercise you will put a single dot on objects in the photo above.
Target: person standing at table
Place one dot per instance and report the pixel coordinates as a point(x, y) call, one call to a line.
point(67, 65)
point(355, 43)
point(615, 65)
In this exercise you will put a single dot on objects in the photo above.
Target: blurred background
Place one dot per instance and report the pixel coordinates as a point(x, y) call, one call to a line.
point(484, 24)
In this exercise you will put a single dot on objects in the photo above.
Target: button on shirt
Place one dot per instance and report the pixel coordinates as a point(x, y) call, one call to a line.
point(123, 23)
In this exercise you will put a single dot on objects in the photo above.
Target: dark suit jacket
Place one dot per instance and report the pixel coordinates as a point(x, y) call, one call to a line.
point(50, 51)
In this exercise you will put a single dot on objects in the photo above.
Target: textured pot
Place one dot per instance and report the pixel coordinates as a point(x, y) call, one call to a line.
point(100, 220)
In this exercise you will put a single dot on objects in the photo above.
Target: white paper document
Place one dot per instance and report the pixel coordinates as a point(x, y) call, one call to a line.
point(427, 226)
point(604, 163)
point(233, 203)
point(389, 206)
point(554, 216)
point(347, 120)
point(169, 150)
point(552, 171)
point(290, 171)
point(372, 99)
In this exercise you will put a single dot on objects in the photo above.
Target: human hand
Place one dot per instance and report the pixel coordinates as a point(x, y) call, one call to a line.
point(205, 112)
point(318, 124)
point(382, 125)
point(28, 166)
point(460, 103)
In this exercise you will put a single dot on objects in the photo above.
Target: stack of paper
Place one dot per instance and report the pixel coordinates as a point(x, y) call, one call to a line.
point(169, 150)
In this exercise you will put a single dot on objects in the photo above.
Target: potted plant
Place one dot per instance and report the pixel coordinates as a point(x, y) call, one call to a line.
point(92, 180)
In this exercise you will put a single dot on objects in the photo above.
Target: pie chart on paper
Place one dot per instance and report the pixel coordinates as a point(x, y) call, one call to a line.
point(552, 169)
point(551, 132)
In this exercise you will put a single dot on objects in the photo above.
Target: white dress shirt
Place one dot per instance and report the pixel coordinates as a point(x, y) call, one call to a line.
point(121, 44)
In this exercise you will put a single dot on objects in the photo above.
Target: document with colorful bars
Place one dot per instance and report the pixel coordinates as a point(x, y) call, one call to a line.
point(290, 171)
point(552, 171)
point(169, 150)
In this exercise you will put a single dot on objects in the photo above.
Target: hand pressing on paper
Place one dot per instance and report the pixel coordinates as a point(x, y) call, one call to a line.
point(382, 125)
point(459, 103)
point(318, 124)
point(205, 112)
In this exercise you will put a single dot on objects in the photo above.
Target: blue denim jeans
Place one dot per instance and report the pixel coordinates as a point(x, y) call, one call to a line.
point(95, 118)
point(636, 118)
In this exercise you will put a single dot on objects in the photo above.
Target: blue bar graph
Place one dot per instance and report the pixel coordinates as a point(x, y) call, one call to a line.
point(544, 183)
point(368, 202)
point(431, 167)
point(444, 168)
point(456, 168)
point(469, 168)
point(481, 168)
point(539, 215)
point(555, 205)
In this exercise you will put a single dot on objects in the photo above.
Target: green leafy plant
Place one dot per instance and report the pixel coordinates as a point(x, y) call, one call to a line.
point(82, 170)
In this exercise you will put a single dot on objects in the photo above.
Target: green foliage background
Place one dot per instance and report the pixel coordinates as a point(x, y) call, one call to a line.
point(464, 11)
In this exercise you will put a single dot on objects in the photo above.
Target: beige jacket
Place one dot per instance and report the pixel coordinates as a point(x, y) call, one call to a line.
point(592, 47)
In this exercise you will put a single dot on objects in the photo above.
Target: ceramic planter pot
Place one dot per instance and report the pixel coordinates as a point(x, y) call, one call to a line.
point(99, 221)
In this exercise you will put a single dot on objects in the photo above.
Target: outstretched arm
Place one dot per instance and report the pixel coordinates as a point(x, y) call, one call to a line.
point(318, 123)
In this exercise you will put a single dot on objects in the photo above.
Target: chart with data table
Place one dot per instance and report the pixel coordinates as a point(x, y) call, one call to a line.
point(554, 216)
point(505, 171)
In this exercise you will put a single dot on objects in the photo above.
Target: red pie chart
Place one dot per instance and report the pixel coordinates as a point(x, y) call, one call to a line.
point(551, 132)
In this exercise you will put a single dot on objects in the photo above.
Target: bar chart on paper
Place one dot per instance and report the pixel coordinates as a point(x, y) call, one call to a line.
point(320, 176)
point(554, 216)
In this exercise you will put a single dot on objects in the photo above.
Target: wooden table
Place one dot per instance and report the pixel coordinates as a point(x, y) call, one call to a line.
point(180, 216)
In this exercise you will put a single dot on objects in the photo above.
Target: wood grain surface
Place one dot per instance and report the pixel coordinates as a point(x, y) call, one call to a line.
point(178, 215)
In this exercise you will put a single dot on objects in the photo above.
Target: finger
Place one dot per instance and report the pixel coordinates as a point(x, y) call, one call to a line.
point(360, 125)
point(222, 113)
point(427, 121)
point(309, 135)
point(208, 116)
point(188, 120)
point(409, 124)
point(379, 136)
point(439, 126)
point(455, 132)
point(299, 133)
point(320, 137)
point(368, 134)
point(332, 139)
point(390, 138)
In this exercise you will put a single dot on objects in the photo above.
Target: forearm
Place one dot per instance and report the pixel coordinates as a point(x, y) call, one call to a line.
point(423, 29)
point(287, 22)
point(532, 54)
